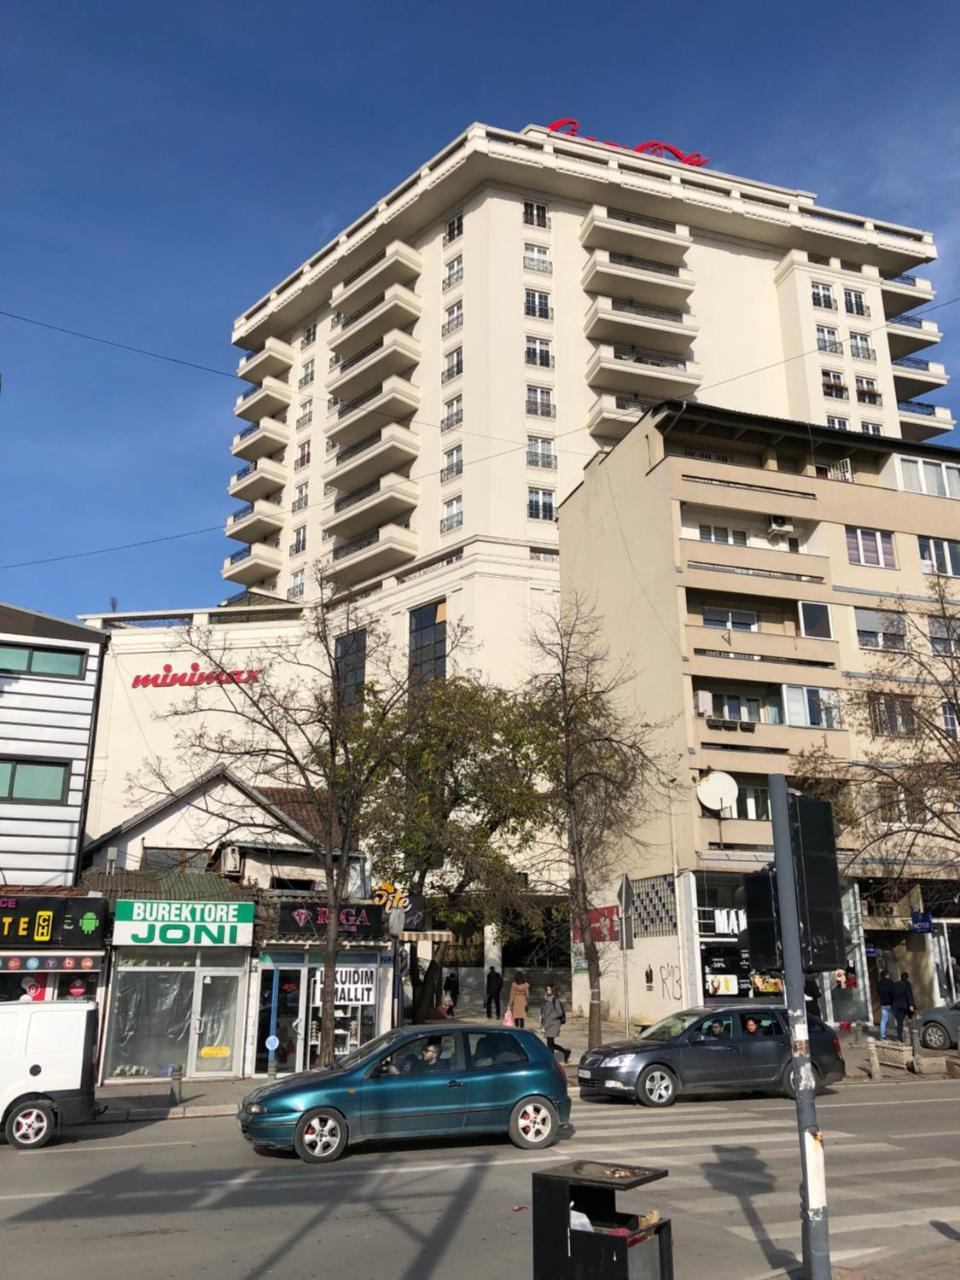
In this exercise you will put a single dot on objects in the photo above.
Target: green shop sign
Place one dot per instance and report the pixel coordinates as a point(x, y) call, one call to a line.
point(149, 922)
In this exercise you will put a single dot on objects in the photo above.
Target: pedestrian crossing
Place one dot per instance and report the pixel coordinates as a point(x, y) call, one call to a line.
point(737, 1165)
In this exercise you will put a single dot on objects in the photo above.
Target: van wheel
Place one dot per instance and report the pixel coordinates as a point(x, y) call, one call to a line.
point(321, 1136)
point(534, 1123)
point(30, 1125)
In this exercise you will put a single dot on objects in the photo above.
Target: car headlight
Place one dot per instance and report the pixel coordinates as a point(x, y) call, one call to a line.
point(256, 1109)
point(620, 1060)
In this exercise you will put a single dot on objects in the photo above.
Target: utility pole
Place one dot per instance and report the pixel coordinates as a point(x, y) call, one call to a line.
point(813, 1188)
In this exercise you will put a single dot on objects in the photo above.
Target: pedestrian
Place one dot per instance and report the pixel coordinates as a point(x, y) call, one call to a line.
point(517, 1003)
point(451, 988)
point(494, 987)
point(885, 996)
point(552, 1017)
point(902, 1003)
point(811, 994)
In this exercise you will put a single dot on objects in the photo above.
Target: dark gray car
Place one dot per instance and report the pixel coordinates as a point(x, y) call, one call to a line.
point(940, 1027)
point(743, 1047)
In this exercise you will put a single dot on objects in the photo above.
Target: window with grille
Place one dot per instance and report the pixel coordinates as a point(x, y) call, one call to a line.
point(538, 352)
point(822, 295)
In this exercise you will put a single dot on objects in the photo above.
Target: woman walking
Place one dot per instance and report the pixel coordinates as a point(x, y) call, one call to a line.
point(552, 1017)
point(519, 994)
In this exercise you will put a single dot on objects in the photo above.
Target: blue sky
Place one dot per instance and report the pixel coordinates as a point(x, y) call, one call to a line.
point(164, 165)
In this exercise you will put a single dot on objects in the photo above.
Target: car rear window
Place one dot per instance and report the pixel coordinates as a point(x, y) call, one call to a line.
point(494, 1049)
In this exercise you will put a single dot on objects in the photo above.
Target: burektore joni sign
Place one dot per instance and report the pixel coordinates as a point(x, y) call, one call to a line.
point(155, 923)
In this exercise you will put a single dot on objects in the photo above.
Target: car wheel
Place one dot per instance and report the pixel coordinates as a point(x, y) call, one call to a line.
point(787, 1080)
point(534, 1123)
point(321, 1136)
point(935, 1036)
point(30, 1125)
point(657, 1087)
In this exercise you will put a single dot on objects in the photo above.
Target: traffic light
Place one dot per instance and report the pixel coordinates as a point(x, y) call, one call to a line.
point(760, 893)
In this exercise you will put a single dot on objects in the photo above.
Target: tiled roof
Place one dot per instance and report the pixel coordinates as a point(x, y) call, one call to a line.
point(297, 804)
point(199, 886)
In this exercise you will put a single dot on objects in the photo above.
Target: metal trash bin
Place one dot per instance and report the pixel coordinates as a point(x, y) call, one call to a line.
point(578, 1234)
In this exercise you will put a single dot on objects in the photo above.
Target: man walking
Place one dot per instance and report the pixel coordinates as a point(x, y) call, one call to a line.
point(885, 996)
point(903, 1004)
point(494, 987)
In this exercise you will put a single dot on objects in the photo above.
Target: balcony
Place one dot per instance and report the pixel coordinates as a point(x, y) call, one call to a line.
point(823, 303)
point(451, 471)
point(453, 370)
point(378, 502)
point(398, 263)
point(622, 320)
point(394, 399)
point(452, 279)
point(387, 449)
point(265, 401)
point(453, 325)
point(273, 357)
point(907, 334)
point(383, 551)
point(860, 351)
point(646, 373)
point(634, 233)
point(395, 308)
point(452, 419)
point(395, 352)
point(611, 417)
point(903, 293)
point(913, 376)
point(757, 655)
point(252, 564)
point(783, 575)
point(830, 345)
point(540, 408)
point(618, 275)
point(537, 458)
point(256, 521)
point(920, 420)
point(257, 479)
point(260, 438)
point(757, 748)
point(534, 262)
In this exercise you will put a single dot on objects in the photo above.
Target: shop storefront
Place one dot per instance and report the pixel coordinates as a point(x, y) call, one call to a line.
point(178, 990)
point(51, 948)
point(725, 966)
point(287, 987)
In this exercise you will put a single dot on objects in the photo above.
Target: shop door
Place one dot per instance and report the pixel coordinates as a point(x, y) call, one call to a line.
point(213, 1043)
point(286, 1022)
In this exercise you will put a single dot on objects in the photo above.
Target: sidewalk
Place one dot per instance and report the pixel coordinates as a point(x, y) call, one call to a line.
point(940, 1263)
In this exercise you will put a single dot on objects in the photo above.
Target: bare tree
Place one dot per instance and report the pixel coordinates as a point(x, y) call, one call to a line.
point(597, 765)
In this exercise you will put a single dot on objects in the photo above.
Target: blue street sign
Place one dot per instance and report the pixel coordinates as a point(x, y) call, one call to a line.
point(921, 922)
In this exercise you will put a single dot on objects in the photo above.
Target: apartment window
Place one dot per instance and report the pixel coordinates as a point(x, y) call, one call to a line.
point(452, 319)
point(296, 587)
point(870, 546)
point(891, 715)
point(729, 619)
point(537, 304)
point(705, 455)
point(538, 352)
point(454, 229)
point(33, 782)
point(854, 303)
point(815, 620)
point(454, 272)
point(881, 629)
point(752, 803)
point(454, 365)
point(452, 514)
point(838, 424)
point(452, 413)
point(951, 721)
point(812, 708)
point(350, 667)
point(68, 664)
point(535, 214)
point(827, 340)
point(540, 402)
point(309, 336)
point(867, 392)
point(306, 374)
point(735, 706)
point(540, 504)
point(873, 429)
point(841, 470)
point(303, 455)
point(452, 463)
point(939, 479)
point(822, 295)
point(299, 543)
point(546, 554)
point(897, 807)
point(945, 636)
point(305, 415)
point(833, 384)
point(860, 346)
point(940, 555)
point(301, 497)
point(720, 533)
point(541, 452)
point(536, 257)
point(428, 642)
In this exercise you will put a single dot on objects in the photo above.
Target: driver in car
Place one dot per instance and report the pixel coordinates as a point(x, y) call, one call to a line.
point(427, 1060)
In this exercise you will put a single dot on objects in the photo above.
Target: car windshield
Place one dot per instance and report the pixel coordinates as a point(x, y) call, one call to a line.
point(669, 1028)
point(368, 1050)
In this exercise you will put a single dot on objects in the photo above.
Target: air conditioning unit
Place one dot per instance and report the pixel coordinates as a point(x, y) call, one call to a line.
point(779, 526)
point(231, 861)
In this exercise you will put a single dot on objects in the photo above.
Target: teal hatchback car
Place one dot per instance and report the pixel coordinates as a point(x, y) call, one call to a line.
point(415, 1083)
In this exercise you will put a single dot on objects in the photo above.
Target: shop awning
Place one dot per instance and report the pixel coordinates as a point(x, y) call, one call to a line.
point(428, 935)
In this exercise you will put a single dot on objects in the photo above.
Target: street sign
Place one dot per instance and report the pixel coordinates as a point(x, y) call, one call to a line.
point(625, 894)
point(921, 922)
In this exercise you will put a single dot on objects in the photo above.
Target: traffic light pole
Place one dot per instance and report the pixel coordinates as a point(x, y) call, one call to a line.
point(813, 1190)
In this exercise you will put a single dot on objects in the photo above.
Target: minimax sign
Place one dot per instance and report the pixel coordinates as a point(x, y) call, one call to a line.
point(154, 923)
point(660, 149)
point(167, 679)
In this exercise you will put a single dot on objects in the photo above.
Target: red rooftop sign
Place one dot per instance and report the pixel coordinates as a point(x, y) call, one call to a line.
point(662, 149)
point(194, 676)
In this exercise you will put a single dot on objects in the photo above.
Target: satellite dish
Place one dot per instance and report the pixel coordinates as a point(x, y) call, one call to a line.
point(717, 791)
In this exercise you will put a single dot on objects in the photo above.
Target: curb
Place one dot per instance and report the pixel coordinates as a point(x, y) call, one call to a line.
point(126, 1115)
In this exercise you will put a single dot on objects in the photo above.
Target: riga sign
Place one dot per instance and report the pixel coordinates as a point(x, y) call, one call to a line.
point(661, 149)
point(194, 676)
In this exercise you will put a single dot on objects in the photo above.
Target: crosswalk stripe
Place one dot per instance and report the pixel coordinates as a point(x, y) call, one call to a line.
point(786, 1152)
point(723, 1202)
point(590, 1126)
point(949, 1172)
point(872, 1222)
point(704, 1142)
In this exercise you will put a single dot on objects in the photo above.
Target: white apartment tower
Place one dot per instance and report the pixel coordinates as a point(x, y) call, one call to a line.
point(428, 387)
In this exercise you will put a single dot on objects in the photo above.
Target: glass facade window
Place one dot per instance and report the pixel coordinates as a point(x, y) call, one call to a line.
point(33, 782)
point(428, 642)
point(350, 661)
point(16, 659)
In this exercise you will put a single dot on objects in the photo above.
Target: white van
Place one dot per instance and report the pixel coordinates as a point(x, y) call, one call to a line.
point(46, 1069)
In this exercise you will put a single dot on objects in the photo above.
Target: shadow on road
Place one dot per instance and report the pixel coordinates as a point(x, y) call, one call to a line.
point(944, 1228)
point(741, 1173)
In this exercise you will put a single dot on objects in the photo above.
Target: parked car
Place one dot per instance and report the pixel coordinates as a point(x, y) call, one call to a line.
point(46, 1069)
point(743, 1047)
point(939, 1027)
point(415, 1083)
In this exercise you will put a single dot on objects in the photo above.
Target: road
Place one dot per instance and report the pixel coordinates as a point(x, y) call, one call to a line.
point(190, 1198)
